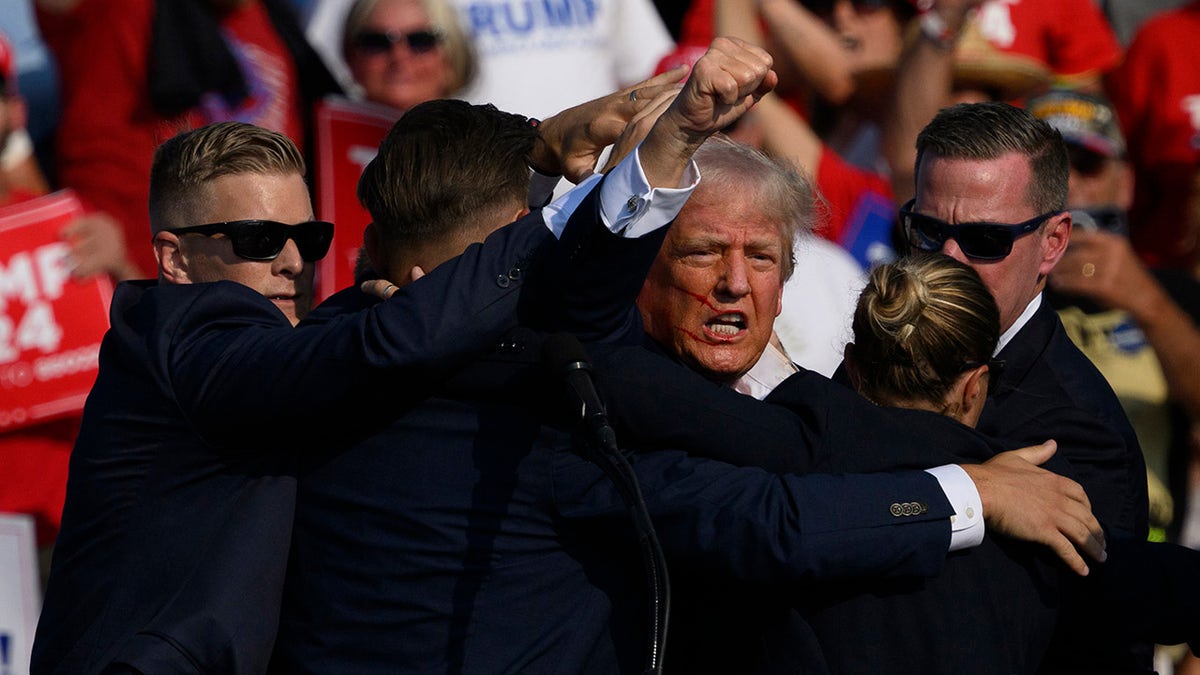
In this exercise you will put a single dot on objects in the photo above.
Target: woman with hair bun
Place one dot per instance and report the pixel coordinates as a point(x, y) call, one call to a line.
point(925, 329)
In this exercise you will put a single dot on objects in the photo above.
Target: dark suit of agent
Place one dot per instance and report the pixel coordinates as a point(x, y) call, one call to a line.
point(991, 191)
point(181, 491)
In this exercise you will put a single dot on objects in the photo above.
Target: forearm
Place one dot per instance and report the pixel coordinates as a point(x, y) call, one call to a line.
point(746, 524)
point(815, 52)
point(233, 361)
point(924, 79)
point(1176, 342)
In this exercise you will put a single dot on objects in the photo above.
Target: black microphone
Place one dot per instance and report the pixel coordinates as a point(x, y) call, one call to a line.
point(562, 353)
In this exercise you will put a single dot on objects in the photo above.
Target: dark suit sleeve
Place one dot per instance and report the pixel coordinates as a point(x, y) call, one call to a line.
point(808, 423)
point(588, 287)
point(233, 361)
point(655, 403)
point(748, 524)
point(1092, 453)
point(233, 364)
point(1145, 591)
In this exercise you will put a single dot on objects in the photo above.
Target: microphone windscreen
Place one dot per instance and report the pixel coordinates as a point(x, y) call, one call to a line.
point(560, 350)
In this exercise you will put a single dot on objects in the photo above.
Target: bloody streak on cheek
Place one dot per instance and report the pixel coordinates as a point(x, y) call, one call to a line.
point(697, 297)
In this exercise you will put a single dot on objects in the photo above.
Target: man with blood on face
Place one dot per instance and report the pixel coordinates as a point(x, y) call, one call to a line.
point(714, 291)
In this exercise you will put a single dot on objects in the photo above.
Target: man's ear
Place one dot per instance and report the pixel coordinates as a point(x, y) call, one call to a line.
point(373, 246)
point(1054, 241)
point(172, 266)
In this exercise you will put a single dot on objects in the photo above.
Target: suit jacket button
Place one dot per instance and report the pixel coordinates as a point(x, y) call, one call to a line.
point(514, 273)
point(896, 510)
point(503, 281)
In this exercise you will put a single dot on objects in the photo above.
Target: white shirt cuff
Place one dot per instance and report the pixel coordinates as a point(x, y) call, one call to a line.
point(966, 525)
point(628, 205)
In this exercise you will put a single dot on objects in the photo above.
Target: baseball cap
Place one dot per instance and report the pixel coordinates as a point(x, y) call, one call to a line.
point(1084, 120)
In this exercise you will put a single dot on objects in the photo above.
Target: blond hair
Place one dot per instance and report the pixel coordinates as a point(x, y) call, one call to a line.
point(920, 323)
point(191, 159)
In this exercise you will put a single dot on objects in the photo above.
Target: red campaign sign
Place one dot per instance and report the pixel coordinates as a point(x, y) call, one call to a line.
point(50, 324)
point(348, 135)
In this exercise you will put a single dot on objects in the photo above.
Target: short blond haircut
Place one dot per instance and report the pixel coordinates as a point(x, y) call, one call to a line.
point(186, 163)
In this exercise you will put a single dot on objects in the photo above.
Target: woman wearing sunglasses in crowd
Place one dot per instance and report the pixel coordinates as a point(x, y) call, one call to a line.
point(405, 52)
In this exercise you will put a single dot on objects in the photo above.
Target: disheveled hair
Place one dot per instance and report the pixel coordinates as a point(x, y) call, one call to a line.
point(785, 194)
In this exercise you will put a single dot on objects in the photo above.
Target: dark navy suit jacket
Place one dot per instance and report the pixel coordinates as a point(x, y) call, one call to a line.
point(1049, 389)
point(998, 599)
point(466, 536)
point(181, 489)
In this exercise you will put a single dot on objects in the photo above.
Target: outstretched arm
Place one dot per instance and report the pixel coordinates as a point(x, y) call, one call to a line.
point(924, 80)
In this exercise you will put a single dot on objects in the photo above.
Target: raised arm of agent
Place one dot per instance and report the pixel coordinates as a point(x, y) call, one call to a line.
point(464, 305)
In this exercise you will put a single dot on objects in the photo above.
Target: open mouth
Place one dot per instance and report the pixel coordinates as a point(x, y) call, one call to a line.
point(726, 326)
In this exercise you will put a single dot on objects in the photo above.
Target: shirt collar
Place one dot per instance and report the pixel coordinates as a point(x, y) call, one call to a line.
point(771, 368)
point(1007, 336)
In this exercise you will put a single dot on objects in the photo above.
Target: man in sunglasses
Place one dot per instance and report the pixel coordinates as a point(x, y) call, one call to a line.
point(991, 191)
point(181, 490)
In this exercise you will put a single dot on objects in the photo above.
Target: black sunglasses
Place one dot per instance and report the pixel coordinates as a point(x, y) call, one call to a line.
point(380, 42)
point(983, 241)
point(264, 239)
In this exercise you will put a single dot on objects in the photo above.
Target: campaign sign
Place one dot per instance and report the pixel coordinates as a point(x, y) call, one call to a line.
point(348, 135)
point(50, 324)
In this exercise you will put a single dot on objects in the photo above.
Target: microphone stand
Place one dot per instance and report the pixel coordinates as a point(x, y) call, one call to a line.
point(604, 452)
point(563, 354)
